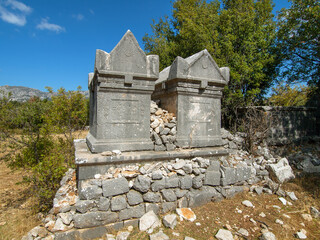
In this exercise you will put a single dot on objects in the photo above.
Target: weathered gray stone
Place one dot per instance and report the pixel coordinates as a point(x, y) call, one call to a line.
point(169, 195)
point(70, 235)
point(170, 146)
point(103, 204)
point(187, 168)
point(132, 222)
point(230, 192)
point(152, 207)
point(180, 193)
point(134, 197)
point(115, 187)
point(223, 234)
point(197, 182)
point(228, 176)
point(281, 171)
point(214, 166)
point(157, 175)
point(186, 182)
point(93, 219)
point(151, 197)
point(159, 236)
point(118, 203)
point(172, 182)
point(93, 233)
point(84, 205)
point(142, 184)
point(90, 192)
point(159, 147)
point(267, 236)
point(179, 164)
point(128, 69)
point(123, 235)
point(202, 196)
point(314, 212)
point(158, 185)
point(168, 206)
point(66, 217)
point(170, 220)
point(156, 138)
point(149, 220)
point(132, 212)
point(212, 178)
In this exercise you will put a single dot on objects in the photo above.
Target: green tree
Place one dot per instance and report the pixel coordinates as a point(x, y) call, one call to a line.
point(239, 34)
point(286, 96)
point(299, 42)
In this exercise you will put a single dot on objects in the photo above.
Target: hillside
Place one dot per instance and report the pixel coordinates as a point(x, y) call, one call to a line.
point(22, 94)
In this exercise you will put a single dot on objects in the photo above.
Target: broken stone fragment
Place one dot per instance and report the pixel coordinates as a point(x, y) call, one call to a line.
point(149, 221)
point(170, 220)
point(186, 213)
point(223, 234)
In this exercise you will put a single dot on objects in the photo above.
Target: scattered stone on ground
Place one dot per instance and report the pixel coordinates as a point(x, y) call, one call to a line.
point(247, 203)
point(159, 236)
point(149, 221)
point(223, 234)
point(186, 213)
point(170, 220)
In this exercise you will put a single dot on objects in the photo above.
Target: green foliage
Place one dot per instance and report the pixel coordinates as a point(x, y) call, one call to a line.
point(37, 136)
point(239, 34)
point(299, 42)
point(285, 95)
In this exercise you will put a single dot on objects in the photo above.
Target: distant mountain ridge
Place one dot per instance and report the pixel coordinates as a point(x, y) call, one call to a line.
point(22, 94)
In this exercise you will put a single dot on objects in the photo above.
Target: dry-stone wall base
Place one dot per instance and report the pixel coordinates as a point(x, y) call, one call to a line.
point(163, 128)
point(122, 195)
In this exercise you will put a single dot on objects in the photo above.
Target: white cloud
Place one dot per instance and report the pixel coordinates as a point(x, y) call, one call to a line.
point(45, 25)
point(14, 12)
point(19, 6)
point(79, 16)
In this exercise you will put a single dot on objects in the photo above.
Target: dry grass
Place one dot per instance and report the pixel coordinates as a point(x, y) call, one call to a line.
point(16, 215)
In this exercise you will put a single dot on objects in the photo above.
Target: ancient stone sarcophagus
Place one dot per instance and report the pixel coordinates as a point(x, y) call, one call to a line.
point(191, 88)
point(120, 94)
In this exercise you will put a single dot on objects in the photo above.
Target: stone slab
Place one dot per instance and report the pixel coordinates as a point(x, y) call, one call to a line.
point(89, 164)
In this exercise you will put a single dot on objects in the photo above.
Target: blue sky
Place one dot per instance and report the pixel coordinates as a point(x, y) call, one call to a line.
point(53, 43)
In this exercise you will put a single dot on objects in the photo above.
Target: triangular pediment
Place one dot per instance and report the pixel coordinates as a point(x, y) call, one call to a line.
point(202, 65)
point(127, 56)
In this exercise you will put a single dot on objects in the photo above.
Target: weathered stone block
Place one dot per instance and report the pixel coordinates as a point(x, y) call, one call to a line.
point(94, 219)
point(151, 197)
point(103, 204)
point(214, 166)
point(158, 185)
point(202, 196)
point(169, 195)
point(134, 197)
point(132, 212)
point(186, 182)
point(118, 203)
point(212, 178)
point(197, 182)
point(115, 187)
point(142, 184)
point(84, 205)
point(70, 235)
point(152, 207)
point(228, 176)
point(93, 233)
point(90, 192)
point(172, 182)
point(168, 206)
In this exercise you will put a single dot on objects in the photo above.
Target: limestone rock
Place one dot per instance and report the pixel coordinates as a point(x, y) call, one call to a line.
point(118, 203)
point(186, 213)
point(247, 203)
point(301, 235)
point(134, 197)
point(314, 212)
point(281, 171)
point(142, 184)
point(170, 220)
point(223, 234)
point(159, 236)
point(267, 236)
point(149, 221)
point(122, 235)
point(115, 187)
